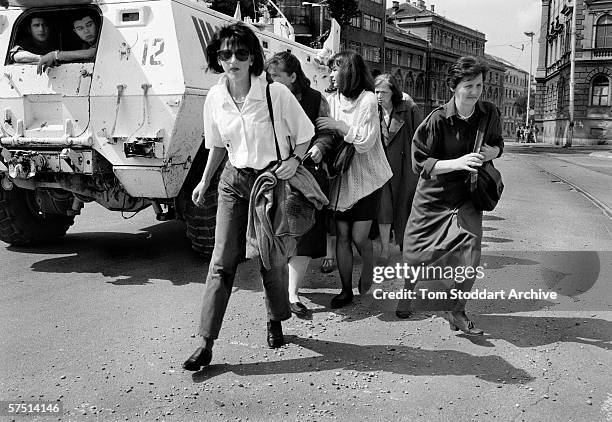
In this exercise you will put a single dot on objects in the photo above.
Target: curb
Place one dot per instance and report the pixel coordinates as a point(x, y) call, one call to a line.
point(601, 154)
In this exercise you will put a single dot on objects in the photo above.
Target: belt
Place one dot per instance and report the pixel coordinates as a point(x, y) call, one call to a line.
point(250, 171)
point(256, 172)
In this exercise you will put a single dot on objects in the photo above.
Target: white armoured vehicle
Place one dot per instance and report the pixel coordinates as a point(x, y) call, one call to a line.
point(124, 129)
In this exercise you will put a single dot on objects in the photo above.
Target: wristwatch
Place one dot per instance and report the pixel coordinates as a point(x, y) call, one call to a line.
point(299, 160)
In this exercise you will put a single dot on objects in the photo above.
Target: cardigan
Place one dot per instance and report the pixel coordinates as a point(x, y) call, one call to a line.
point(369, 169)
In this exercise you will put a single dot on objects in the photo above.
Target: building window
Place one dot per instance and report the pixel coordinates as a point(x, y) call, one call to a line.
point(354, 46)
point(561, 94)
point(601, 91)
point(419, 86)
point(603, 32)
point(356, 22)
point(296, 12)
point(371, 23)
point(399, 79)
point(419, 62)
point(407, 60)
point(371, 53)
point(409, 84)
point(395, 59)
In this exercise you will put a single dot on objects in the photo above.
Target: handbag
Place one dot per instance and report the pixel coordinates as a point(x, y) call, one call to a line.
point(340, 158)
point(486, 186)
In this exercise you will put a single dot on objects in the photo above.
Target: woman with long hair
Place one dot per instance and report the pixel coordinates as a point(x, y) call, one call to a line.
point(355, 194)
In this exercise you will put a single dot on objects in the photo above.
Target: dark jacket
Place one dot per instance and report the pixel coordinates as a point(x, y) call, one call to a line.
point(311, 102)
point(405, 119)
point(443, 135)
point(279, 213)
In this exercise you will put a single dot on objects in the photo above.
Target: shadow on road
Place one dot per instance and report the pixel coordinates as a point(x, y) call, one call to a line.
point(395, 359)
point(489, 217)
point(160, 252)
point(525, 331)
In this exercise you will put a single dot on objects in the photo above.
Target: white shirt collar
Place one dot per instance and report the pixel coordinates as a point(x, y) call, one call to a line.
point(256, 92)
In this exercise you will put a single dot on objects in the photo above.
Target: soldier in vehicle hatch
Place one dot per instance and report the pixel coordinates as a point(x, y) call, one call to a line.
point(85, 26)
point(35, 44)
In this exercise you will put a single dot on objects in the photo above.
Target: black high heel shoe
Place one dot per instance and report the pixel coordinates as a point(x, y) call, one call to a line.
point(363, 287)
point(466, 325)
point(275, 336)
point(341, 300)
point(201, 357)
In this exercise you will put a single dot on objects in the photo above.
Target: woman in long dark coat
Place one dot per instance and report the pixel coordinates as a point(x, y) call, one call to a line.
point(399, 119)
point(444, 228)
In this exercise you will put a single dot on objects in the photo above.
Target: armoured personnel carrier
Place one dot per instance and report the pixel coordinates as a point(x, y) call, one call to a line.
point(123, 128)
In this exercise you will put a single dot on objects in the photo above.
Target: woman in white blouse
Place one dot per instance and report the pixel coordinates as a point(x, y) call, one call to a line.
point(237, 123)
point(355, 195)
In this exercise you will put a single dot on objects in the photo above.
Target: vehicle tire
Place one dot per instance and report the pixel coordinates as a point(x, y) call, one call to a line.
point(201, 221)
point(23, 224)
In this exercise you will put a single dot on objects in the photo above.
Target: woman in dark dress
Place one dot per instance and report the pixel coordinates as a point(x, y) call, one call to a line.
point(400, 119)
point(285, 68)
point(444, 229)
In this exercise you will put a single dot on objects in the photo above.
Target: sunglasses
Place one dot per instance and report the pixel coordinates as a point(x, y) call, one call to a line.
point(242, 54)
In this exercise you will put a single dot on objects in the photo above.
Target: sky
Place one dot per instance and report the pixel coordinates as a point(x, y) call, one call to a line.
point(502, 21)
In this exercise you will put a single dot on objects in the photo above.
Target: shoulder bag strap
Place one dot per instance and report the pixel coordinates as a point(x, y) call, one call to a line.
point(481, 132)
point(269, 101)
point(484, 121)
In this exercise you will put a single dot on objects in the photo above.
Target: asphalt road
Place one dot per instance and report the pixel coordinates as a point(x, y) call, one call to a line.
point(103, 320)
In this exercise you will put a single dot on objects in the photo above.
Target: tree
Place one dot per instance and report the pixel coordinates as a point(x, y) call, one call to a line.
point(521, 104)
point(343, 11)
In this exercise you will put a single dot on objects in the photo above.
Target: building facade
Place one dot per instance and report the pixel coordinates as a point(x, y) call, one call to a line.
point(593, 72)
point(364, 35)
point(447, 41)
point(515, 86)
point(494, 83)
point(406, 59)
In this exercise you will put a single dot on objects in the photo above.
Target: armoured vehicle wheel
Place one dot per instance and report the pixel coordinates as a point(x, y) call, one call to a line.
point(201, 221)
point(21, 222)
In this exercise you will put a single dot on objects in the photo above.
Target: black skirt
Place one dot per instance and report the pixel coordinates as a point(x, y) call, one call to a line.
point(365, 209)
point(314, 242)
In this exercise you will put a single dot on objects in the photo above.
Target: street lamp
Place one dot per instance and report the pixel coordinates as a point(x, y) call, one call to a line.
point(530, 34)
point(320, 5)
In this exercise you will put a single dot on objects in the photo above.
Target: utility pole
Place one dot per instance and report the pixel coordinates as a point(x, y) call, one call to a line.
point(530, 34)
point(570, 132)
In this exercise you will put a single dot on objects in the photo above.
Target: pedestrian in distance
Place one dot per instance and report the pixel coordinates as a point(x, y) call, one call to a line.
point(399, 120)
point(444, 228)
point(531, 135)
point(237, 122)
point(285, 68)
point(354, 195)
